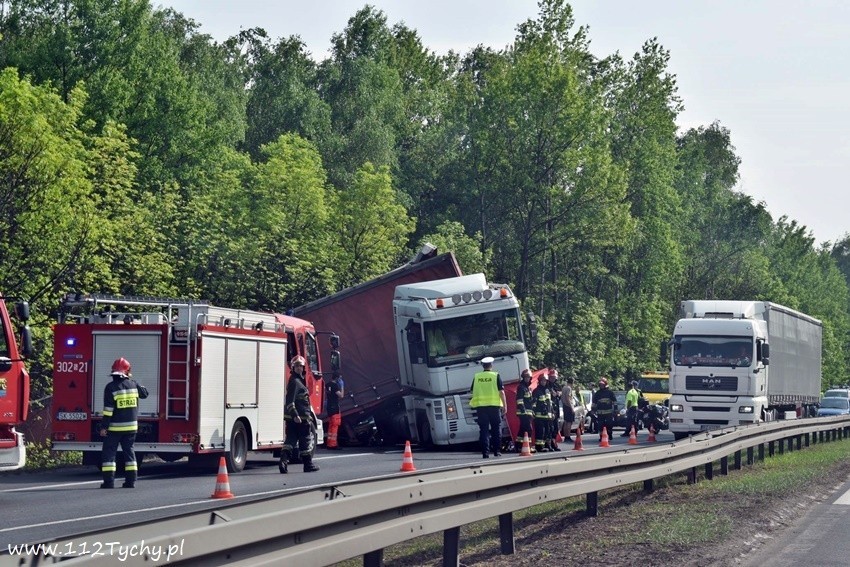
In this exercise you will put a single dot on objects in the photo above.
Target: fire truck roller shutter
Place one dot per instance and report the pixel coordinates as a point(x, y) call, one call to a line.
point(142, 349)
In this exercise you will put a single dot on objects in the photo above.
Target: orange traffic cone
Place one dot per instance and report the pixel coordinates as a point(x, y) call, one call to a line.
point(407, 461)
point(578, 445)
point(651, 437)
point(633, 436)
point(222, 483)
point(526, 447)
point(603, 439)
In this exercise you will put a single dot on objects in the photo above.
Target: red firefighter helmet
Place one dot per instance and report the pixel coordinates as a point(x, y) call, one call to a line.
point(298, 360)
point(121, 367)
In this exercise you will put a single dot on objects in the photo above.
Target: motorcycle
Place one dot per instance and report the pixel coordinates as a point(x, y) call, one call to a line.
point(655, 416)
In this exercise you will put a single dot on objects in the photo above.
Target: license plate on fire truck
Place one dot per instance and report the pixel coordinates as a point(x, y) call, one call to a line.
point(72, 416)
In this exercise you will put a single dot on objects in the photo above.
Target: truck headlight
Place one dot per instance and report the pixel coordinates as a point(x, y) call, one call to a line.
point(677, 407)
point(745, 409)
point(451, 408)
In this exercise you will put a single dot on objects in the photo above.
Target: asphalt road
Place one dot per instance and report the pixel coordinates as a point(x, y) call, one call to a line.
point(43, 506)
point(821, 537)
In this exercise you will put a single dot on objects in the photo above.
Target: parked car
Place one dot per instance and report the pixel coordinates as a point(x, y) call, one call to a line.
point(587, 401)
point(837, 393)
point(580, 411)
point(620, 419)
point(834, 406)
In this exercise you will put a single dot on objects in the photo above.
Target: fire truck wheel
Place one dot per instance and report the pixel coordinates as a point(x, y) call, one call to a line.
point(238, 454)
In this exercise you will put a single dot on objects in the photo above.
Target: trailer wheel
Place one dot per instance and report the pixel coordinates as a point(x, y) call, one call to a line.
point(238, 454)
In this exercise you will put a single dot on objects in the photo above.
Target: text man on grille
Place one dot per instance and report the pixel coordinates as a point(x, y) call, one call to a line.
point(119, 424)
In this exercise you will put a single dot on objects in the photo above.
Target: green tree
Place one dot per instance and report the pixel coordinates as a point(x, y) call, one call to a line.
point(365, 96)
point(283, 255)
point(371, 226)
point(283, 93)
point(451, 237)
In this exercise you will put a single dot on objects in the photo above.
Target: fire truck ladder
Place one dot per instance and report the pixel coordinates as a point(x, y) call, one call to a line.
point(174, 365)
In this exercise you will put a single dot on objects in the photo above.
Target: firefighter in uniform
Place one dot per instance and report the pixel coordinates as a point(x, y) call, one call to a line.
point(542, 414)
point(119, 424)
point(488, 399)
point(524, 409)
point(555, 398)
point(603, 404)
point(298, 418)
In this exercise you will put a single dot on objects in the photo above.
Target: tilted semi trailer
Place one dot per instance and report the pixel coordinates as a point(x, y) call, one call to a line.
point(414, 341)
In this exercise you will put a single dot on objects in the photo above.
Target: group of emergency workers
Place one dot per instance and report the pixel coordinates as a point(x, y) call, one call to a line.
point(538, 411)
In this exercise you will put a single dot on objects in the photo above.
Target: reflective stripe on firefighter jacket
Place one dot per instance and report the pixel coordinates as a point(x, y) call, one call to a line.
point(542, 402)
point(297, 399)
point(524, 400)
point(121, 406)
point(485, 390)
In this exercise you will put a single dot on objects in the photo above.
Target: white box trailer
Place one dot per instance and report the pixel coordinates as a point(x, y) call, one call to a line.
point(742, 362)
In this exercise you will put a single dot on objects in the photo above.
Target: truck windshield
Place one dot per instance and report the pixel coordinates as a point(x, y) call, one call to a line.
point(835, 403)
point(653, 385)
point(496, 333)
point(712, 351)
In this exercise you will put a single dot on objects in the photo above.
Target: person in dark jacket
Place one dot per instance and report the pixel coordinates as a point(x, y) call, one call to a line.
point(119, 424)
point(334, 392)
point(524, 410)
point(555, 398)
point(298, 418)
point(542, 414)
point(604, 401)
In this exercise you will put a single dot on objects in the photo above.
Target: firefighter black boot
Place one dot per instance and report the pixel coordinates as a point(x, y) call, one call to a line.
point(129, 480)
point(309, 466)
point(282, 466)
point(108, 480)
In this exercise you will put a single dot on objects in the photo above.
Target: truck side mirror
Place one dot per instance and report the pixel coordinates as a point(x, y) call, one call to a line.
point(26, 342)
point(336, 363)
point(662, 354)
point(532, 328)
point(763, 353)
point(22, 311)
point(335, 341)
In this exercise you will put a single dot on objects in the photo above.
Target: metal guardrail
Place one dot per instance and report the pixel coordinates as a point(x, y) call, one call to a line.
point(334, 523)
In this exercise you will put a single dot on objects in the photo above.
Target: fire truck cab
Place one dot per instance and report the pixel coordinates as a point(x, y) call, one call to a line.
point(14, 386)
point(216, 376)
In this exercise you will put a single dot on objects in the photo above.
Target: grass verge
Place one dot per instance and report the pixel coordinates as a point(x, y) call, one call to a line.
point(674, 519)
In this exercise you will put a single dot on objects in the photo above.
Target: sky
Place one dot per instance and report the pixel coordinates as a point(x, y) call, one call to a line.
point(776, 73)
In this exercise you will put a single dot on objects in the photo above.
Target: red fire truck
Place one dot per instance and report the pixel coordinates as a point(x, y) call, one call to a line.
point(216, 376)
point(14, 386)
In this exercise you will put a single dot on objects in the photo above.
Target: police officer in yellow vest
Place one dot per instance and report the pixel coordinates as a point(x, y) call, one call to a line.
point(488, 399)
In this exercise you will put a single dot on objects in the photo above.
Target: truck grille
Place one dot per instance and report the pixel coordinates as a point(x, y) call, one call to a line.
point(711, 383)
point(469, 413)
point(711, 421)
point(712, 408)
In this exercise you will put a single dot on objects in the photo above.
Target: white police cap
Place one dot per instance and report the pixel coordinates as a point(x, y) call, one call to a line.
point(487, 360)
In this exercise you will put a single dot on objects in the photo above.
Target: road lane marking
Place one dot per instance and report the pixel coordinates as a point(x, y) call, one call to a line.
point(844, 499)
